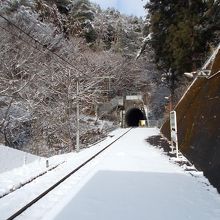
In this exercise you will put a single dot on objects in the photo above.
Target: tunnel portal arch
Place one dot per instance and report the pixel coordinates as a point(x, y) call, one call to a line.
point(133, 116)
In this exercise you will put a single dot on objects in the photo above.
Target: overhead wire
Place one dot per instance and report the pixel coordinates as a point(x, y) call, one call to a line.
point(45, 47)
point(35, 23)
point(36, 41)
point(42, 45)
point(36, 48)
point(20, 38)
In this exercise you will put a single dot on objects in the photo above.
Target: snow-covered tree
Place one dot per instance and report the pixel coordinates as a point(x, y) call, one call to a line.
point(41, 63)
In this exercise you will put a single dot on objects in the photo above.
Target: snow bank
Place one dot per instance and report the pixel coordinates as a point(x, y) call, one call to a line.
point(11, 158)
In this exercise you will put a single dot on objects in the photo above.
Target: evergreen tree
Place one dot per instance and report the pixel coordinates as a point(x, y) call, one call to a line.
point(81, 15)
point(109, 36)
point(82, 10)
point(62, 5)
point(181, 31)
point(210, 25)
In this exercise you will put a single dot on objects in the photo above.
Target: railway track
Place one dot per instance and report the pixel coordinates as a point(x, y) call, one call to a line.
point(13, 189)
point(42, 195)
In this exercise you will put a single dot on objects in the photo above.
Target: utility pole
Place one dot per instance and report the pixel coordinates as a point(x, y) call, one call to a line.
point(172, 82)
point(77, 116)
point(77, 107)
point(109, 87)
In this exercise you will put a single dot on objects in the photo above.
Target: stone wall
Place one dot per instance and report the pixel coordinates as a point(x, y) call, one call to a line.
point(198, 118)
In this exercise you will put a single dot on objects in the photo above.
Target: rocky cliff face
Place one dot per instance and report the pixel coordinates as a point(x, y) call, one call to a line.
point(198, 118)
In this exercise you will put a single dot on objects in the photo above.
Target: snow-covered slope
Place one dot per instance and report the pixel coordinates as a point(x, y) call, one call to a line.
point(11, 158)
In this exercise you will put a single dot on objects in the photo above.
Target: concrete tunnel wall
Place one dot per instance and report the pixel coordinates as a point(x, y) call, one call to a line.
point(133, 116)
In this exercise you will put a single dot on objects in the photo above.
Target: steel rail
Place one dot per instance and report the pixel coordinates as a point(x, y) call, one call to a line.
point(13, 189)
point(24, 208)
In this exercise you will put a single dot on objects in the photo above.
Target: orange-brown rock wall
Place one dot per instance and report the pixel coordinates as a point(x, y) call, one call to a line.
point(198, 118)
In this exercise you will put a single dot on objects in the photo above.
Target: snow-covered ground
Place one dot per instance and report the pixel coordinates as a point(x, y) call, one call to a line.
point(12, 158)
point(130, 180)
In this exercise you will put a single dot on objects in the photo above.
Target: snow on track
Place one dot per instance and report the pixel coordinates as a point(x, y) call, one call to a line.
point(130, 180)
point(16, 200)
point(135, 181)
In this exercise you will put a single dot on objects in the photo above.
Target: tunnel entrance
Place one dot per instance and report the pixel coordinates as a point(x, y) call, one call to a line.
point(133, 116)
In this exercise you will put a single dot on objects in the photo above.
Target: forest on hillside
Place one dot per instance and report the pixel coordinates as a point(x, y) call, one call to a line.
point(49, 48)
point(183, 35)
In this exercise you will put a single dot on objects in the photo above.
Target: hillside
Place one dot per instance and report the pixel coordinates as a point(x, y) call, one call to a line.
point(47, 47)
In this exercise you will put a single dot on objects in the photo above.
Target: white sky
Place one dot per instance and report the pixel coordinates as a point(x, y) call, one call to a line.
point(129, 7)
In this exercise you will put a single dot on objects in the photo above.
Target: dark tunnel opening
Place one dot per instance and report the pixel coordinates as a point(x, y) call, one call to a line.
point(133, 116)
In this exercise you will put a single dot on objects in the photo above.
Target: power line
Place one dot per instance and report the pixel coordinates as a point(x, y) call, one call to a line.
point(36, 41)
point(57, 55)
point(34, 23)
point(21, 39)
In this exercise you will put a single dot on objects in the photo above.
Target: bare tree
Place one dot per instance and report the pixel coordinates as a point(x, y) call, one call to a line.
point(39, 71)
